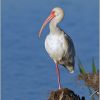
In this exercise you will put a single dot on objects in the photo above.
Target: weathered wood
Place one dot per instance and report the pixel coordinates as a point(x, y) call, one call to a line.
point(64, 94)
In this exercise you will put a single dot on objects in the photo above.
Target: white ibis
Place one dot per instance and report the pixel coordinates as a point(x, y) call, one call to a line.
point(58, 44)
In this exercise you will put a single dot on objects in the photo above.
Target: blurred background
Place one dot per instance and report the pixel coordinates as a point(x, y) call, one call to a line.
point(28, 73)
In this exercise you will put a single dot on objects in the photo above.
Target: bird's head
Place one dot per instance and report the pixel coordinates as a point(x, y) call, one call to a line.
point(56, 15)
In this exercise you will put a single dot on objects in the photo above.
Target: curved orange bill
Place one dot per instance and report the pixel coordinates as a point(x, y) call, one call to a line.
point(51, 16)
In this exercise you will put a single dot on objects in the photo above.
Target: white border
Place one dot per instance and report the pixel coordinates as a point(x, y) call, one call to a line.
point(0, 49)
point(99, 49)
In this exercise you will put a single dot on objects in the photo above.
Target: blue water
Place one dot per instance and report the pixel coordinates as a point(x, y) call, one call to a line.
point(28, 73)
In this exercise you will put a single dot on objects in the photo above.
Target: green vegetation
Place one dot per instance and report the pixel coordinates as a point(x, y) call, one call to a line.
point(93, 67)
point(82, 70)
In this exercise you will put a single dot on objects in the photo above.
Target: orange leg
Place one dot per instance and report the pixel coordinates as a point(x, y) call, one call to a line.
point(58, 74)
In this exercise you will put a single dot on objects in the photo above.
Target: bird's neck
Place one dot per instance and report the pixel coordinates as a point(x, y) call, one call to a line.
point(53, 27)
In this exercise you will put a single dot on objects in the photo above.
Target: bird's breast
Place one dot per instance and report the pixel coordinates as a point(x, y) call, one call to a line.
point(56, 46)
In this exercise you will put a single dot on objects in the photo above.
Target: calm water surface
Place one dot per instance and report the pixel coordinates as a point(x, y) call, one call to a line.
point(28, 73)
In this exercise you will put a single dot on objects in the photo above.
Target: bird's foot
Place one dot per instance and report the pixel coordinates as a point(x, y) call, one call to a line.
point(60, 87)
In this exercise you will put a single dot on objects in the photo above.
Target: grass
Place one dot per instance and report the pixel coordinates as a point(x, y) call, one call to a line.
point(83, 71)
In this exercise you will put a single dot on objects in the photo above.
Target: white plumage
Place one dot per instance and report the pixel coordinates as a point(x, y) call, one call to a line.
point(56, 46)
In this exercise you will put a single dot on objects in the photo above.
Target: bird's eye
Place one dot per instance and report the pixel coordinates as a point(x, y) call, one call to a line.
point(57, 14)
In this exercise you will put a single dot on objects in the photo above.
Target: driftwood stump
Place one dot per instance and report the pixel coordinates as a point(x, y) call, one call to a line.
point(64, 94)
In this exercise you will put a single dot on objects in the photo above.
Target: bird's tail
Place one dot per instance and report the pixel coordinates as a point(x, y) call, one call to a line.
point(70, 68)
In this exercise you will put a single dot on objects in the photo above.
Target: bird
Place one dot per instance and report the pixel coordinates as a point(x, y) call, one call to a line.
point(59, 44)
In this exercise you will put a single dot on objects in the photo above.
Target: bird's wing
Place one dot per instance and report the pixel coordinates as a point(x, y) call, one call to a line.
point(71, 49)
point(68, 61)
